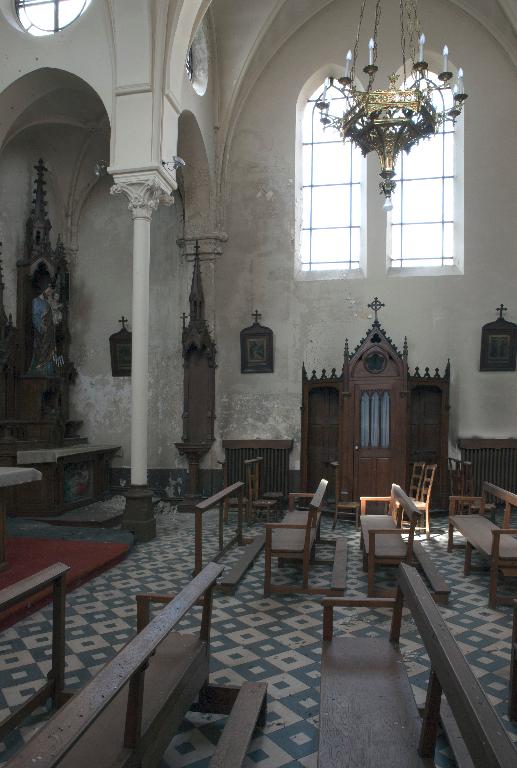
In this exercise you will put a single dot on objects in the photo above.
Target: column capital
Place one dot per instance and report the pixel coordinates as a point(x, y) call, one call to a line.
point(144, 190)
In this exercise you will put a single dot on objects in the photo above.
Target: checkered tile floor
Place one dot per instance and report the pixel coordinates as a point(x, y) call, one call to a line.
point(275, 639)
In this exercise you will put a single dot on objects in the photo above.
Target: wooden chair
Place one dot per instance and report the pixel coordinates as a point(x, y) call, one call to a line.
point(381, 535)
point(256, 503)
point(415, 484)
point(343, 506)
point(368, 714)
point(461, 485)
point(499, 545)
point(424, 501)
point(296, 538)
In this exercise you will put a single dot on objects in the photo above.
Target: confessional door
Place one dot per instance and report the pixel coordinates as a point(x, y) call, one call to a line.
point(323, 429)
point(378, 437)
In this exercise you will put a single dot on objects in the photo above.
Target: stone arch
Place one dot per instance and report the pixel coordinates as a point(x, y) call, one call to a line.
point(195, 181)
point(60, 117)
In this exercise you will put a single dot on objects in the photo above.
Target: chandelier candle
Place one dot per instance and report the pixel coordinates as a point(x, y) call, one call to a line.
point(445, 58)
point(348, 63)
point(421, 44)
point(371, 46)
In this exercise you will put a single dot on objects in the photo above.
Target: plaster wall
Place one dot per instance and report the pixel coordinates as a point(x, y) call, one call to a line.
point(442, 316)
point(101, 400)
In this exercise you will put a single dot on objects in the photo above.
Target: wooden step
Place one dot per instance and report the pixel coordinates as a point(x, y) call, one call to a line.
point(339, 569)
point(249, 708)
point(231, 577)
point(439, 587)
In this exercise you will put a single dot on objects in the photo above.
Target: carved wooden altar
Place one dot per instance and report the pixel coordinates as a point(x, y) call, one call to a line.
point(34, 397)
point(198, 386)
point(375, 418)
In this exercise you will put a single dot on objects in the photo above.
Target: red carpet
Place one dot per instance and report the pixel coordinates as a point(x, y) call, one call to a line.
point(27, 556)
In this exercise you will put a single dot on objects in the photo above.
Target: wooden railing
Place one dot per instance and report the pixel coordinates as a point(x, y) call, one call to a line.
point(215, 500)
point(53, 576)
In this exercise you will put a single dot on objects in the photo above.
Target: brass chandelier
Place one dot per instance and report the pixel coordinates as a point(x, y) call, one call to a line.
point(389, 121)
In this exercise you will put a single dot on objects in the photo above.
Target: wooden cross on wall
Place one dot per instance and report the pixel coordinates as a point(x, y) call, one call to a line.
point(501, 309)
point(256, 315)
point(123, 320)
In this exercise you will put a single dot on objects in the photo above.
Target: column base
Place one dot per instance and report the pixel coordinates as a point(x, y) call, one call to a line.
point(138, 513)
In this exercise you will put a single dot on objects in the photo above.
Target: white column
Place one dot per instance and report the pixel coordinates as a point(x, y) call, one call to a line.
point(144, 192)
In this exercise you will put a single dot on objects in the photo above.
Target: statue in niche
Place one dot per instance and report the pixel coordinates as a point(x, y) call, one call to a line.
point(46, 315)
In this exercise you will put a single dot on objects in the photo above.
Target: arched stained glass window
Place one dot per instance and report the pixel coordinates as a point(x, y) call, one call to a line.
point(45, 17)
point(422, 220)
point(332, 194)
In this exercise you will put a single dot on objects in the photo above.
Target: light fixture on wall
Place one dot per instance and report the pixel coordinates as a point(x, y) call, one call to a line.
point(389, 121)
point(174, 164)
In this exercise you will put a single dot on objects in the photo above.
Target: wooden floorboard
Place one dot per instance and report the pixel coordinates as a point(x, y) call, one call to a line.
point(339, 568)
point(439, 586)
point(231, 578)
point(236, 737)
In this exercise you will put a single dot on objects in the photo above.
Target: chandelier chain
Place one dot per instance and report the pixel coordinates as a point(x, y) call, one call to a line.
point(357, 38)
point(375, 31)
point(403, 39)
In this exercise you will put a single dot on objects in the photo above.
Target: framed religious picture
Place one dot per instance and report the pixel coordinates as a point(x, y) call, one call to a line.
point(256, 348)
point(498, 344)
point(120, 351)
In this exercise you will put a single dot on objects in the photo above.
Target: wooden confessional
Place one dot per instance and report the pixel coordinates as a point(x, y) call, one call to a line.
point(375, 419)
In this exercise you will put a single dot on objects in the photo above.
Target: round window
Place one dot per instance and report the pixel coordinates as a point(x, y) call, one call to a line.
point(45, 17)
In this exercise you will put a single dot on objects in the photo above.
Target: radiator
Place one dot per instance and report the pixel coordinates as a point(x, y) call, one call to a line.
point(274, 470)
point(492, 460)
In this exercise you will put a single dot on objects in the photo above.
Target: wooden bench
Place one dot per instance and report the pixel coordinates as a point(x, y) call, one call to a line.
point(382, 542)
point(233, 575)
point(128, 713)
point(498, 544)
point(55, 576)
point(368, 716)
point(512, 693)
point(296, 538)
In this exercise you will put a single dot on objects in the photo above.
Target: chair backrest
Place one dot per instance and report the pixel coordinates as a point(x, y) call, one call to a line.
point(460, 477)
point(406, 507)
point(427, 483)
point(415, 484)
point(253, 471)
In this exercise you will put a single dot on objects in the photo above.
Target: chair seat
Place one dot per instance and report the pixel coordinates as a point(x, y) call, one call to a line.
point(385, 546)
point(292, 540)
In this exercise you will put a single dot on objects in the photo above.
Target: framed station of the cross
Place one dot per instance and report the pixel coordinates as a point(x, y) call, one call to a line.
point(256, 348)
point(498, 344)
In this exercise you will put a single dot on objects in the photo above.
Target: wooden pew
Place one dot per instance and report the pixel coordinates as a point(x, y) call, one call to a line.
point(55, 576)
point(382, 542)
point(368, 716)
point(233, 575)
point(127, 714)
point(296, 538)
point(498, 544)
